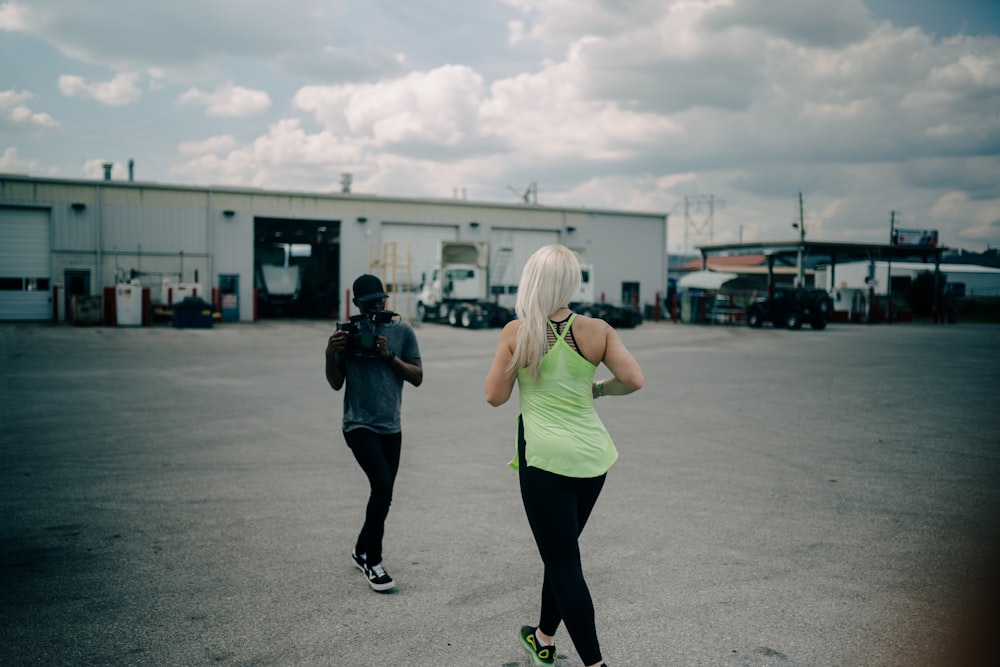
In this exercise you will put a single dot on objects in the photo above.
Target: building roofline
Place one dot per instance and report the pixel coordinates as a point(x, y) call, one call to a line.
point(249, 190)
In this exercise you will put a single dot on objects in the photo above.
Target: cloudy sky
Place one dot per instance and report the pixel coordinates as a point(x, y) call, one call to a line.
point(863, 106)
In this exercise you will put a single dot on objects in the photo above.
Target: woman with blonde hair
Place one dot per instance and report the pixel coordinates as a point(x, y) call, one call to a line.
point(563, 449)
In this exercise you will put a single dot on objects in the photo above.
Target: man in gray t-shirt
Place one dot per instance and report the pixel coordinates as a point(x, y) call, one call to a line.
point(373, 356)
point(374, 391)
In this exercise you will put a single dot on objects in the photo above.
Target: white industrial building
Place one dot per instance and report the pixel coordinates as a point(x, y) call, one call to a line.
point(64, 238)
point(851, 282)
point(974, 280)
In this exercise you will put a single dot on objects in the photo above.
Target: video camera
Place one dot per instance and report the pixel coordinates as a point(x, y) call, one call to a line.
point(363, 329)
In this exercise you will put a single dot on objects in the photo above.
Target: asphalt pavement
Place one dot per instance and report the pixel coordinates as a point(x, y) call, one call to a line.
point(787, 498)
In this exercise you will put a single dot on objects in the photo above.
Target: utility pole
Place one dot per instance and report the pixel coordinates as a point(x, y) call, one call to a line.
point(888, 266)
point(800, 265)
point(802, 221)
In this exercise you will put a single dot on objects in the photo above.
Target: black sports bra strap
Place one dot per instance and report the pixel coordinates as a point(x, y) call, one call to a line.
point(559, 329)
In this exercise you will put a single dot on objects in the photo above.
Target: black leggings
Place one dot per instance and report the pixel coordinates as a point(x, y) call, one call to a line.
point(558, 508)
point(378, 455)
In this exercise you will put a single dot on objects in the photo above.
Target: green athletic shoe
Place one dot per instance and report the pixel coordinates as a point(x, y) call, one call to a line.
point(541, 656)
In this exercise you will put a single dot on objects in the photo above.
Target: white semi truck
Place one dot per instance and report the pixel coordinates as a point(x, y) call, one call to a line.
point(458, 291)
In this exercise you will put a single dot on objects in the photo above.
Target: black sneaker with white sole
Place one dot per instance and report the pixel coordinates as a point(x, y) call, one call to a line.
point(378, 578)
point(359, 561)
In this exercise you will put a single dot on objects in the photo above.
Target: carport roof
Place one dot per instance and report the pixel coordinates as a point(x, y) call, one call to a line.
point(706, 280)
point(834, 250)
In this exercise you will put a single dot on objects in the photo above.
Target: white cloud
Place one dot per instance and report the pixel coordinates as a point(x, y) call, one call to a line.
point(14, 111)
point(120, 91)
point(229, 101)
point(286, 157)
point(548, 116)
point(436, 107)
point(13, 17)
point(12, 163)
point(288, 143)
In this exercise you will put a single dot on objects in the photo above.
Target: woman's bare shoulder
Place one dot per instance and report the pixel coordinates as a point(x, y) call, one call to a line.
point(509, 331)
point(590, 325)
point(591, 335)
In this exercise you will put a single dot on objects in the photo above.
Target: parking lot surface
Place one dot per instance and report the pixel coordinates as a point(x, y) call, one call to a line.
point(794, 498)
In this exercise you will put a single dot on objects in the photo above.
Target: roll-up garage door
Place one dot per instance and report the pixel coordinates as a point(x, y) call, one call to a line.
point(25, 281)
point(416, 249)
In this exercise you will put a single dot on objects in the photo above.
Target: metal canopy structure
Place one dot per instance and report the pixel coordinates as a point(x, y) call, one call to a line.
point(792, 253)
point(843, 251)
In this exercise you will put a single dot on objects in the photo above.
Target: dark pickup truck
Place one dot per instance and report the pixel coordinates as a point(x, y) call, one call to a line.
point(791, 307)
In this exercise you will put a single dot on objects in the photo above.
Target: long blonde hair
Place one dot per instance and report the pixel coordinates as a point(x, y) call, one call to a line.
point(549, 281)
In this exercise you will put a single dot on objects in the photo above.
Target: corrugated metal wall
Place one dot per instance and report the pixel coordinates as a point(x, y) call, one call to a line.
point(627, 249)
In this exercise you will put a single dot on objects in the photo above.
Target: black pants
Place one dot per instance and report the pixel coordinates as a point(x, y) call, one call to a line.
point(558, 508)
point(378, 455)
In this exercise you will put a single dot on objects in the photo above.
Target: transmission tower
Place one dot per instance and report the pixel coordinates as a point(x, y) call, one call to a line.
point(699, 215)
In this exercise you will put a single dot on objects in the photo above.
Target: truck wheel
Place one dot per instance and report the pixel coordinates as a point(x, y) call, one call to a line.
point(754, 319)
point(455, 316)
point(421, 312)
point(792, 321)
point(443, 311)
point(467, 320)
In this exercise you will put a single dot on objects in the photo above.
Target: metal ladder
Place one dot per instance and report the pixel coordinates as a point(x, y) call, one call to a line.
point(501, 258)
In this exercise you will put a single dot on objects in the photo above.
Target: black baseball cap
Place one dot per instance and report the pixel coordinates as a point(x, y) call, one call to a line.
point(368, 288)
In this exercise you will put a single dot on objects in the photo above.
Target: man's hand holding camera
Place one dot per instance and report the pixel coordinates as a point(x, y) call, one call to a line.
point(382, 347)
point(336, 343)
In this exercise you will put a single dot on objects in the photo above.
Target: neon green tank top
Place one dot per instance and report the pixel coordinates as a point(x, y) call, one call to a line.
point(562, 431)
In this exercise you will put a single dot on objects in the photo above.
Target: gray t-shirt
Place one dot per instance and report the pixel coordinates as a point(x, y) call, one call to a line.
point(373, 393)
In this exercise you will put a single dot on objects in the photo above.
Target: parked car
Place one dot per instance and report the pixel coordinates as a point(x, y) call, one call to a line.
point(620, 317)
point(791, 307)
